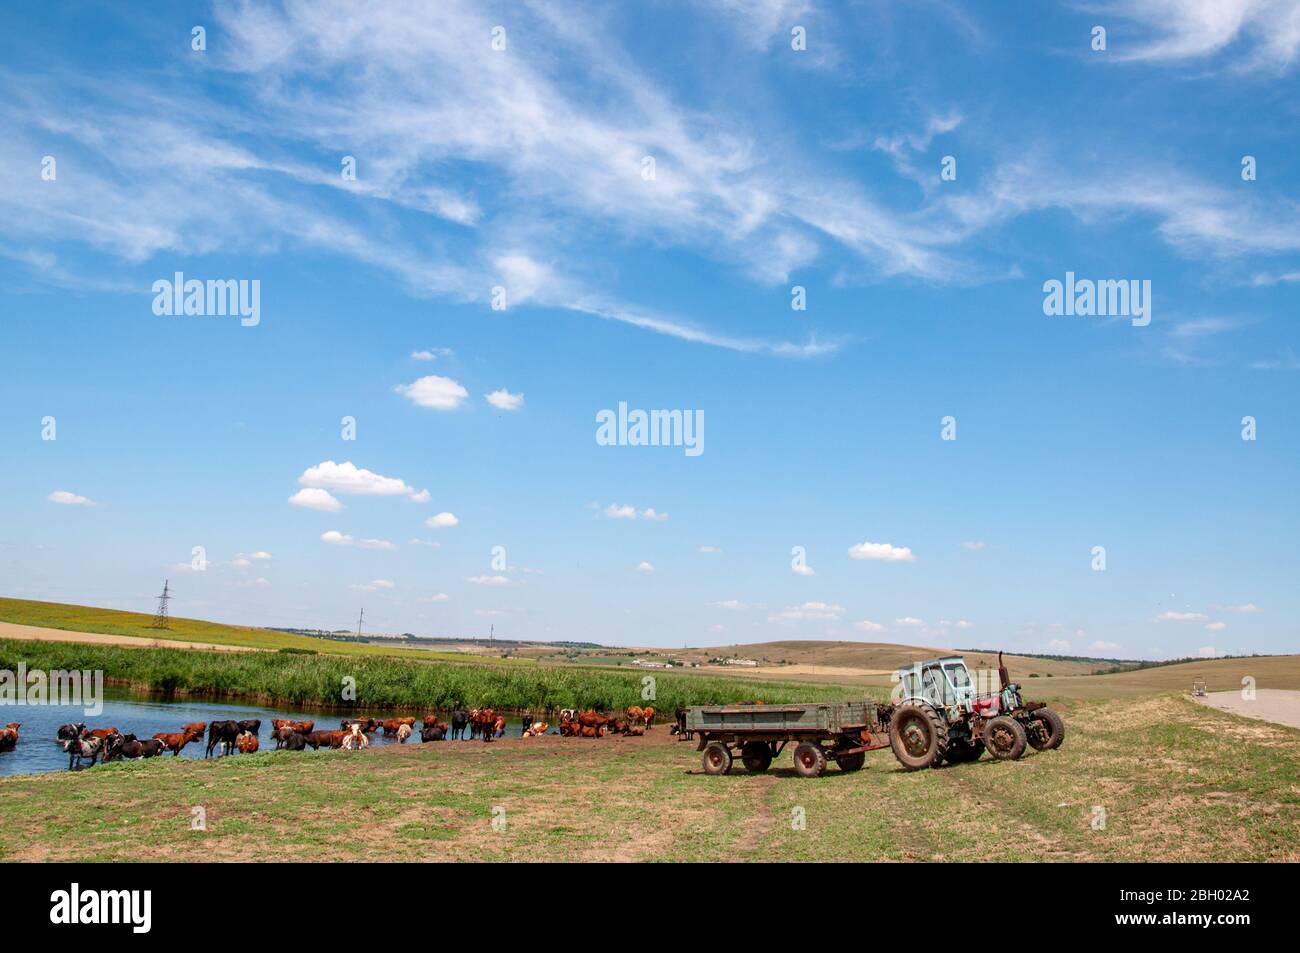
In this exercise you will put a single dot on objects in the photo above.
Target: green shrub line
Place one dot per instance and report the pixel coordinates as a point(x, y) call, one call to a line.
point(394, 683)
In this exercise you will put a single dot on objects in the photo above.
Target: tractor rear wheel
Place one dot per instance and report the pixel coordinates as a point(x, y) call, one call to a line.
point(757, 756)
point(809, 760)
point(1005, 738)
point(1047, 731)
point(717, 759)
point(918, 736)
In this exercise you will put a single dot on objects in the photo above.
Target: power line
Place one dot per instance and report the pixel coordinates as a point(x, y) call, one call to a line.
point(160, 619)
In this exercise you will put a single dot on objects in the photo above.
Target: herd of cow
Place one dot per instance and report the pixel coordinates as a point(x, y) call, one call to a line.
point(84, 744)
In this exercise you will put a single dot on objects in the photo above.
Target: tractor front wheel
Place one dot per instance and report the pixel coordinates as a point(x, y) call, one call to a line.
point(918, 736)
point(1047, 731)
point(1005, 738)
point(717, 759)
point(757, 756)
point(809, 760)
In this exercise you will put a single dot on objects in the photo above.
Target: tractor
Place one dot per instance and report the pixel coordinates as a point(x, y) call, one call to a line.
point(941, 715)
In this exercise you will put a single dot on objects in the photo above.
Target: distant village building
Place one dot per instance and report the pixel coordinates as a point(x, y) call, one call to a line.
point(739, 661)
point(646, 663)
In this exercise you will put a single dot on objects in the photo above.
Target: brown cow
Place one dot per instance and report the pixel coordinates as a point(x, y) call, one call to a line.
point(246, 742)
point(102, 733)
point(197, 727)
point(326, 738)
point(9, 736)
point(649, 715)
point(634, 713)
point(174, 742)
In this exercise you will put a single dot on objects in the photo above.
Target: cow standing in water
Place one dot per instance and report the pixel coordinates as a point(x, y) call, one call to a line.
point(459, 719)
point(528, 723)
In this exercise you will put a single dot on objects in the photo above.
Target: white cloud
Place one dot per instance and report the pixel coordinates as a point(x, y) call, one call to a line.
point(802, 569)
point(1208, 651)
point(442, 521)
point(1059, 645)
point(431, 354)
point(1248, 609)
point(488, 580)
point(436, 597)
point(1217, 626)
point(974, 546)
point(434, 392)
point(1181, 617)
point(374, 585)
point(1263, 34)
point(712, 550)
point(882, 552)
point(868, 626)
point(808, 611)
point(504, 400)
point(645, 567)
point(622, 511)
point(335, 538)
point(910, 621)
point(1103, 646)
point(241, 562)
point(416, 541)
point(314, 498)
point(963, 624)
point(349, 479)
point(70, 499)
point(736, 605)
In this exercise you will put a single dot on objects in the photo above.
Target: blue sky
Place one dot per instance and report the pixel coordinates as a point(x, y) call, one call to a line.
point(523, 168)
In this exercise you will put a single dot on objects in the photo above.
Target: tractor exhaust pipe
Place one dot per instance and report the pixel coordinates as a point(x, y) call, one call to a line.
point(1003, 676)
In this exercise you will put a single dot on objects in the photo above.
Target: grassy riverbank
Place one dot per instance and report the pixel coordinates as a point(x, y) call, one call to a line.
point(384, 682)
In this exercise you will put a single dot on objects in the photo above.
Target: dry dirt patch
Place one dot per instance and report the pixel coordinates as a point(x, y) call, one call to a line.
point(1277, 705)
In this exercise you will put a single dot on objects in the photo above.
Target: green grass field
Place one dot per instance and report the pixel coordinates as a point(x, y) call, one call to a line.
point(1176, 782)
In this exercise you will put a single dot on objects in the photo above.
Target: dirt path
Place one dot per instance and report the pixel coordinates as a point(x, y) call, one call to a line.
point(1277, 705)
point(9, 630)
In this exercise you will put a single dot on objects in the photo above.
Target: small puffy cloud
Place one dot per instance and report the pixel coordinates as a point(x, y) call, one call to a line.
point(261, 554)
point(1248, 609)
point(963, 624)
point(711, 550)
point(910, 622)
point(442, 521)
point(808, 611)
point(314, 498)
point(347, 478)
point(436, 597)
point(434, 392)
point(645, 567)
point(1059, 645)
point(1208, 651)
point(736, 605)
point(1217, 626)
point(1102, 646)
point(622, 511)
point(375, 585)
point(802, 569)
point(488, 580)
point(70, 499)
point(882, 552)
point(241, 562)
point(430, 354)
point(504, 400)
point(1181, 617)
point(974, 546)
point(416, 541)
point(335, 538)
point(866, 625)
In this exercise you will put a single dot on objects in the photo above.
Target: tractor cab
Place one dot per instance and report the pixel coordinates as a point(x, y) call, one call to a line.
point(945, 683)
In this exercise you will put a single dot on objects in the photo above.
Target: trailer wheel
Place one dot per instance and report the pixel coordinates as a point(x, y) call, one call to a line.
point(1046, 730)
point(918, 736)
point(1005, 738)
point(717, 759)
point(852, 762)
point(809, 760)
point(757, 756)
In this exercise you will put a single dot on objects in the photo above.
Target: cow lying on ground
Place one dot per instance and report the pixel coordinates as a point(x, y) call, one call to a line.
point(9, 736)
point(130, 747)
point(535, 729)
point(79, 749)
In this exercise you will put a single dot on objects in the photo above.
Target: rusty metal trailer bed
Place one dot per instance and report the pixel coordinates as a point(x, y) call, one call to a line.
point(842, 732)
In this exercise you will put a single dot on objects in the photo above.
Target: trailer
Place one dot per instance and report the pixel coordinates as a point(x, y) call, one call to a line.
point(842, 732)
